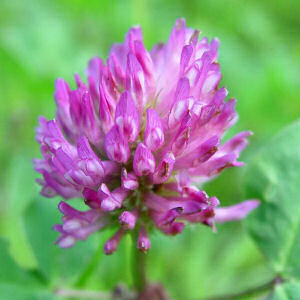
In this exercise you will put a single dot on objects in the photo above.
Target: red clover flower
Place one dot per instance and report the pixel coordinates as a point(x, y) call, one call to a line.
point(138, 138)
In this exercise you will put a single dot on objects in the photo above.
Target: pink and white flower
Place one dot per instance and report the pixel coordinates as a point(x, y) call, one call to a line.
point(135, 140)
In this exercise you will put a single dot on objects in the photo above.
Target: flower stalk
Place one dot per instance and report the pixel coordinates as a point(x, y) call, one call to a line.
point(139, 265)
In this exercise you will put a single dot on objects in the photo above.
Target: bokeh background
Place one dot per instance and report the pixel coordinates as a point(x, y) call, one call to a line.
point(43, 40)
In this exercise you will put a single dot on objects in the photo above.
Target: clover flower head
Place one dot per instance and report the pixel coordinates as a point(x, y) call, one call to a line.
point(138, 138)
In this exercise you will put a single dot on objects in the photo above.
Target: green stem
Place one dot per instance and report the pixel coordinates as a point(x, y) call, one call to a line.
point(250, 292)
point(138, 265)
point(90, 268)
point(83, 294)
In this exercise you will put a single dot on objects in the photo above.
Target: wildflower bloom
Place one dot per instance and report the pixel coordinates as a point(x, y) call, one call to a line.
point(137, 139)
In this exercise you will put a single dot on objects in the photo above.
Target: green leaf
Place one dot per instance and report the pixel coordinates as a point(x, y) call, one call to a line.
point(20, 184)
point(19, 190)
point(273, 176)
point(10, 272)
point(13, 292)
point(17, 283)
point(286, 291)
point(60, 266)
point(20, 248)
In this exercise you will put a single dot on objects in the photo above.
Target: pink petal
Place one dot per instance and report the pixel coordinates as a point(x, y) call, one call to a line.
point(143, 161)
point(127, 118)
point(154, 134)
point(235, 212)
point(116, 146)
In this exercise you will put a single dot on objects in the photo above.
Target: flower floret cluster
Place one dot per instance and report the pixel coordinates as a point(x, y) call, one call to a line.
point(137, 139)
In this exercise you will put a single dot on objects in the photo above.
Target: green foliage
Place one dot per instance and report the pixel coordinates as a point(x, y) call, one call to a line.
point(16, 283)
point(19, 196)
point(56, 265)
point(273, 177)
point(287, 291)
point(63, 267)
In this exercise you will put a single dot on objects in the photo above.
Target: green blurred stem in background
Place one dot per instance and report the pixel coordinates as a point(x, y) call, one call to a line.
point(258, 290)
point(89, 270)
point(83, 294)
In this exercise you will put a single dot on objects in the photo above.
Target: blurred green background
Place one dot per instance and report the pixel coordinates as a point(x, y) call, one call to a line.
point(43, 40)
